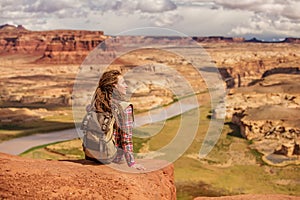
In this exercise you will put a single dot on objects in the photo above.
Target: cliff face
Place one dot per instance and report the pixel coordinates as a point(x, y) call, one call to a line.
point(57, 46)
point(72, 46)
point(219, 39)
point(268, 115)
point(40, 179)
point(247, 61)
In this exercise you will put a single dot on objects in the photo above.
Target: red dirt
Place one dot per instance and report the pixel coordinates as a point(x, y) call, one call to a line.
point(23, 178)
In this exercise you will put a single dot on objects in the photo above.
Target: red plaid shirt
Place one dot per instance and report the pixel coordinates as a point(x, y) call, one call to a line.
point(123, 137)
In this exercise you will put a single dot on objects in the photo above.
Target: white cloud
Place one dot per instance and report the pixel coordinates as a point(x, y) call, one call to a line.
point(291, 10)
point(156, 11)
point(164, 19)
point(46, 6)
point(159, 12)
point(193, 17)
point(264, 25)
point(272, 17)
point(287, 8)
point(130, 6)
point(156, 6)
point(243, 5)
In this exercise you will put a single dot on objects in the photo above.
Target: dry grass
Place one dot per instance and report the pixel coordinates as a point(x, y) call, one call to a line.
point(230, 168)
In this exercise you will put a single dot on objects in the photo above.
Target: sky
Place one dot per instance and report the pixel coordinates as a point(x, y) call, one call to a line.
point(263, 19)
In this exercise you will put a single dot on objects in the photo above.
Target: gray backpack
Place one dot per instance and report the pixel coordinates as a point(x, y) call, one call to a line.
point(98, 139)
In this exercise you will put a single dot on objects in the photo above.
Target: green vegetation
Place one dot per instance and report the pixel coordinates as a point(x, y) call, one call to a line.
point(55, 122)
point(49, 107)
point(230, 168)
point(37, 148)
point(70, 149)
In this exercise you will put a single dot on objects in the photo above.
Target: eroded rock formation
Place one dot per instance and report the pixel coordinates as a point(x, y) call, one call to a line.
point(268, 114)
point(246, 62)
point(57, 46)
point(241, 63)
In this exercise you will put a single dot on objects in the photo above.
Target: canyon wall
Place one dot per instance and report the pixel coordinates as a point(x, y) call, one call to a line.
point(55, 46)
point(246, 62)
point(72, 46)
point(267, 114)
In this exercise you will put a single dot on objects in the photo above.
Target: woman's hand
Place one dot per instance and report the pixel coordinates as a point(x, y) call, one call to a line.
point(138, 166)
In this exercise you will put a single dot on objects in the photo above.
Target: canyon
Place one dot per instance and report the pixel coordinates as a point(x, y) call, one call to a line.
point(39, 68)
point(268, 115)
point(252, 70)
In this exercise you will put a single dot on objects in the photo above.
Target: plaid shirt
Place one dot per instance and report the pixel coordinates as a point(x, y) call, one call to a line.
point(123, 138)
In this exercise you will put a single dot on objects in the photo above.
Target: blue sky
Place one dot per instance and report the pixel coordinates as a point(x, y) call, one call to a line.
point(264, 19)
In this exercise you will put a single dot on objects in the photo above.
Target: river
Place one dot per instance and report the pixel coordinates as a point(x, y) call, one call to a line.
point(18, 145)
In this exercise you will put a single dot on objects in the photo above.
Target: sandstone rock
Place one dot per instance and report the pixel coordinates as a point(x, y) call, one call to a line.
point(78, 179)
point(249, 61)
point(292, 40)
point(60, 46)
point(279, 125)
point(16, 115)
point(218, 39)
point(288, 70)
point(287, 149)
point(268, 114)
point(274, 90)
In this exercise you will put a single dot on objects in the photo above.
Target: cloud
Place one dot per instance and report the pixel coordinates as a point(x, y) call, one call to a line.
point(80, 9)
point(7, 3)
point(267, 16)
point(243, 5)
point(41, 6)
point(156, 6)
point(37, 9)
point(260, 25)
point(164, 19)
point(291, 11)
point(222, 17)
point(131, 6)
point(287, 8)
point(159, 12)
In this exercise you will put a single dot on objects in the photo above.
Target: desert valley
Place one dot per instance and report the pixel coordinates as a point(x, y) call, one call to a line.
point(257, 153)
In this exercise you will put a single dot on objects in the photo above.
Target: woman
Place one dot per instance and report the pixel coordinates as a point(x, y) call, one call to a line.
point(110, 97)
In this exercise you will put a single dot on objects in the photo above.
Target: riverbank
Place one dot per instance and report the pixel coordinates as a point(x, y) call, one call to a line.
point(223, 172)
point(18, 145)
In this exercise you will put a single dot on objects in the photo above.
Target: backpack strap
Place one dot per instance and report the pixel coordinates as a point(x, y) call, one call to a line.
point(91, 106)
point(125, 104)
